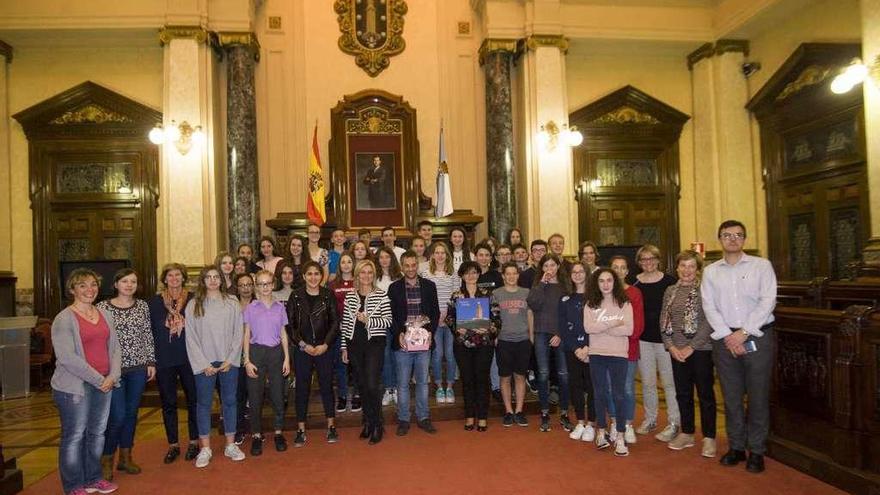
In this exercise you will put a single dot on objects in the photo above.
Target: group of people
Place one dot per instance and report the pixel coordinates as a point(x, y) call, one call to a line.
point(375, 321)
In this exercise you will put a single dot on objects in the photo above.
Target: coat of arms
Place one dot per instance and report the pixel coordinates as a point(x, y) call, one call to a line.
point(372, 31)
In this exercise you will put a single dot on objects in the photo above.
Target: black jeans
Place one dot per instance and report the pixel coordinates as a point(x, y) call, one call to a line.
point(167, 379)
point(697, 370)
point(304, 364)
point(269, 361)
point(367, 356)
point(473, 370)
point(579, 382)
point(742, 376)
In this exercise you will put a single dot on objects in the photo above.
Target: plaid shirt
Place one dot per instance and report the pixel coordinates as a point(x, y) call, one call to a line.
point(413, 299)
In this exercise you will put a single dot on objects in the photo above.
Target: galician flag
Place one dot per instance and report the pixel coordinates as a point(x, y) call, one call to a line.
point(444, 191)
point(315, 201)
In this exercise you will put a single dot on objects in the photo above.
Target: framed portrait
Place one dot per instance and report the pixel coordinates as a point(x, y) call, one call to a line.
point(375, 181)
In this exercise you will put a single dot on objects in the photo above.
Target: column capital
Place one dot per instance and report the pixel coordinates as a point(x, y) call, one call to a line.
point(242, 39)
point(536, 41)
point(168, 33)
point(492, 45)
point(6, 51)
point(709, 50)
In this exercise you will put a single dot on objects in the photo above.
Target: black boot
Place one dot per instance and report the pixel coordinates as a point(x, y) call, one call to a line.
point(376, 435)
point(365, 432)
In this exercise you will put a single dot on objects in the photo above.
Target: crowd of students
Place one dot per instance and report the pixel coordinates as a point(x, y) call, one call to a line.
point(373, 322)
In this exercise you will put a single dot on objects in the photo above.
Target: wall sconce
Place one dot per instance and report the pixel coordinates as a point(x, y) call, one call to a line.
point(184, 136)
point(855, 73)
point(550, 136)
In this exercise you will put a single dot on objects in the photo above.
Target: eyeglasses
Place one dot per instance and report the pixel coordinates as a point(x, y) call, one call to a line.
point(648, 258)
point(264, 284)
point(212, 277)
point(245, 286)
point(729, 236)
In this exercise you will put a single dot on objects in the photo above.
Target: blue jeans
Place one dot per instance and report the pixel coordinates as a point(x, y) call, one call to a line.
point(629, 391)
point(340, 369)
point(126, 399)
point(542, 356)
point(443, 350)
point(389, 370)
point(83, 421)
point(600, 368)
point(205, 397)
point(412, 364)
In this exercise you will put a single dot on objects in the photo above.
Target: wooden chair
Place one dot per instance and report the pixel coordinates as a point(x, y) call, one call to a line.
point(42, 358)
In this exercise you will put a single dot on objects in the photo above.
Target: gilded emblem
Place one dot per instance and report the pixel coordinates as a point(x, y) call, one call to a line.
point(372, 31)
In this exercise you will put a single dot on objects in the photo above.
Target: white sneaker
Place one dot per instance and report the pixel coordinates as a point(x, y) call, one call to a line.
point(450, 395)
point(620, 448)
point(602, 440)
point(387, 398)
point(668, 433)
point(233, 452)
point(589, 434)
point(578, 432)
point(394, 395)
point(612, 432)
point(646, 427)
point(630, 435)
point(204, 457)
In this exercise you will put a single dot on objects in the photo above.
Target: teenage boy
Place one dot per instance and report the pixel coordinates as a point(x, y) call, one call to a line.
point(515, 339)
point(388, 239)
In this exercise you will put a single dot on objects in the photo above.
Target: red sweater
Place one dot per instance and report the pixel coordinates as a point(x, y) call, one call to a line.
point(95, 337)
point(638, 305)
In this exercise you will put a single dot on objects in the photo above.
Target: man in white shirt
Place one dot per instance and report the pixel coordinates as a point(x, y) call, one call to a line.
point(388, 238)
point(739, 295)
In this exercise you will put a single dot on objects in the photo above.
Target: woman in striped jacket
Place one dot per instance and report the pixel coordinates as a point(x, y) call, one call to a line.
point(365, 320)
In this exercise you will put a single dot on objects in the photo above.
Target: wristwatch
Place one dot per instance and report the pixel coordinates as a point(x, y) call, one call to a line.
point(744, 332)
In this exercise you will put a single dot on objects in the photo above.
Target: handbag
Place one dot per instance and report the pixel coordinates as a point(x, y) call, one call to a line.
point(417, 338)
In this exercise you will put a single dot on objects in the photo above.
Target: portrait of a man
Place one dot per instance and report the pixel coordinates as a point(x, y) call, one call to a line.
point(375, 181)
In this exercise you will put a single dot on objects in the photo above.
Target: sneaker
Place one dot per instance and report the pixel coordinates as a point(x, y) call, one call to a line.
point(341, 405)
point(440, 395)
point(668, 433)
point(577, 432)
point(646, 427)
point(233, 452)
point(520, 419)
point(532, 383)
point(280, 443)
point(356, 403)
point(630, 434)
point(508, 420)
point(394, 395)
point(589, 434)
point(612, 432)
point(256, 446)
point(450, 395)
point(708, 447)
point(204, 457)
point(101, 486)
point(388, 398)
point(566, 424)
point(191, 452)
point(239, 438)
point(602, 440)
point(402, 428)
point(496, 394)
point(545, 421)
point(681, 442)
point(332, 435)
point(300, 439)
point(426, 425)
point(620, 448)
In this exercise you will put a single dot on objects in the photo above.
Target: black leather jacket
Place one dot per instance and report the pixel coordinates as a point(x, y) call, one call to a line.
point(323, 317)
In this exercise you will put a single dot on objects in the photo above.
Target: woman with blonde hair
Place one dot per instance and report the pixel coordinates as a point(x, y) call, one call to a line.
point(441, 272)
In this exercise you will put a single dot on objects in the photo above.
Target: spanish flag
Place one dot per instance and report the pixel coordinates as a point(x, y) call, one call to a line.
point(315, 201)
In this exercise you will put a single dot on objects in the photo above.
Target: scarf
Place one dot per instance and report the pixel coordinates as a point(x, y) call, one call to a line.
point(175, 320)
point(691, 310)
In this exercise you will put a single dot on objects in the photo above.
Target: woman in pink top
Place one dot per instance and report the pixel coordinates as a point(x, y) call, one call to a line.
point(608, 318)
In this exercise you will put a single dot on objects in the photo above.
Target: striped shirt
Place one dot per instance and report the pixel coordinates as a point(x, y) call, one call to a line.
point(446, 285)
point(378, 310)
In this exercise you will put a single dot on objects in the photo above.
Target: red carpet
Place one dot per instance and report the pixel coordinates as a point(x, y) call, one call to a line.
point(502, 460)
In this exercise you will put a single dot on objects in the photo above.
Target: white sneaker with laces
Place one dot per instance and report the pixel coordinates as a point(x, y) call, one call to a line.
point(602, 440)
point(233, 452)
point(589, 434)
point(578, 432)
point(387, 398)
point(204, 457)
point(646, 427)
point(620, 448)
point(668, 433)
point(612, 432)
point(630, 435)
point(450, 395)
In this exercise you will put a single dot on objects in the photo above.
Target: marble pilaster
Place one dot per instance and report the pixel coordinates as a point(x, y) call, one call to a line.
point(722, 141)
point(6, 245)
point(871, 89)
point(242, 181)
point(496, 57)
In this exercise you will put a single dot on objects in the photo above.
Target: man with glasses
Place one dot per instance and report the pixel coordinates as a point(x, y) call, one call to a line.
point(739, 295)
point(539, 249)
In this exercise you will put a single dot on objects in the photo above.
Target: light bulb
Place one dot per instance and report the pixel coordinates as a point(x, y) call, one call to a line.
point(575, 138)
point(157, 135)
point(198, 136)
point(856, 72)
point(841, 84)
point(173, 132)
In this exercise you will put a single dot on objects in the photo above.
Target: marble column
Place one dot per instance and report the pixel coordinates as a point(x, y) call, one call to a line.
point(187, 215)
point(6, 246)
point(548, 172)
point(496, 57)
point(871, 89)
point(242, 181)
point(722, 142)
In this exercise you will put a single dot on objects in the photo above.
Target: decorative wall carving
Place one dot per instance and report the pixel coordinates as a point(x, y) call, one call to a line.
point(90, 114)
point(812, 75)
point(845, 239)
point(96, 178)
point(626, 172)
point(803, 368)
point(801, 231)
point(373, 120)
point(372, 31)
point(626, 115)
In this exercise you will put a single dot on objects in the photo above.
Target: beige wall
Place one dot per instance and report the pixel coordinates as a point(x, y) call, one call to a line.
point(596, 68)
point(40, 72)
point(303, 74)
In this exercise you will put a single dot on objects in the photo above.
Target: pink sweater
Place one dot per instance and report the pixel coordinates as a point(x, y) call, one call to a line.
point(609, 327)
